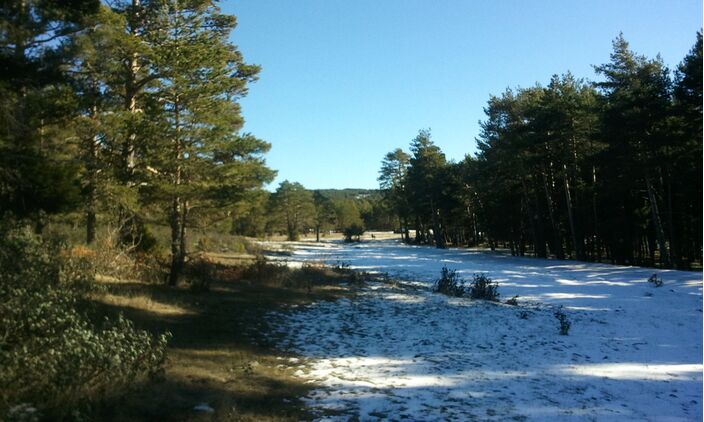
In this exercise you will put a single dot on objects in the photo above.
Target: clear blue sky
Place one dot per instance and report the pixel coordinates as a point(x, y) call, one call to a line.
point(345, 82)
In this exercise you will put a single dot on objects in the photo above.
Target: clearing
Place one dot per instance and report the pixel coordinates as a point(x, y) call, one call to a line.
point(397, 351)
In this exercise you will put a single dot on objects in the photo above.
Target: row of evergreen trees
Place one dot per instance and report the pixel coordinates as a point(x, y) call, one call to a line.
point(127, 109)
point(610, 170)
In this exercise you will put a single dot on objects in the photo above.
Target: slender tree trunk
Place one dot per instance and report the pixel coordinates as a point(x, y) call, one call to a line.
point(557, 242)
point(597, 238)
point(175, 222)
point(177, 212)
point(92, 187)
point(532, 218)
point(570, 215)
point(675, 253)
point(437, 229)
point(664, 255)
point(131, 89)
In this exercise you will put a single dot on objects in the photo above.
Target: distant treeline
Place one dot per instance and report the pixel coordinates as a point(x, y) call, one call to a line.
point(294, 210)
point(608, 170)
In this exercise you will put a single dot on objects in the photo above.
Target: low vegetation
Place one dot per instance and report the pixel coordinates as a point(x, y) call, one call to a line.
point(481, 287)
point(56, 360)
point(450, 283)
point(565, 323)
point(484, 288)
point(88, 334)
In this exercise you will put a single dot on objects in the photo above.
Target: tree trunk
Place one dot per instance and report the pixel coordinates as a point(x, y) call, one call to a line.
point(664, 255)
point(177, 212)
point(532, 218)
point(675, 253)
point(131, 89)
point(176, 258)
point(597, 238)
point(568, 200)
point(92, 187)
point(437, 229)
point(557, 241)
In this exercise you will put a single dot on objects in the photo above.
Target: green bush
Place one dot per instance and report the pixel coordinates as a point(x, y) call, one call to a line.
point(52, 359)
point(565, 323)
point(353, 232)
point(449, 283)
point(484, 288)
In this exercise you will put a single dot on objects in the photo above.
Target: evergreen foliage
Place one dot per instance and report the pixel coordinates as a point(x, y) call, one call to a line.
point(592, 171)
point(293, 208)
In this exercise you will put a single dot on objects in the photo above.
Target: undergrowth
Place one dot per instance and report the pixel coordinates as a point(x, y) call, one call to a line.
point(55, 362)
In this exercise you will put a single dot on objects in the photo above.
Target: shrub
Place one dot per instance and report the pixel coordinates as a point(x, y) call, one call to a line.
point(265, 271)
point(353, 232)
point(657, 281)
point(52, 358)
point(109, 258)
point(449, 283)
point(565, 324)
point(199, 274)
point(484, 288)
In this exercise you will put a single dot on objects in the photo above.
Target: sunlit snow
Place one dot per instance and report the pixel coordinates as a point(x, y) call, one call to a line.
point(634, 351)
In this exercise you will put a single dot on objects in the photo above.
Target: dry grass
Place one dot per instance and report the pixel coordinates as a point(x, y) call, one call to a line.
point(222, 352)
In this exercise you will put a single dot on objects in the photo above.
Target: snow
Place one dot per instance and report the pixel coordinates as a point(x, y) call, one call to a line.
point(634, 351)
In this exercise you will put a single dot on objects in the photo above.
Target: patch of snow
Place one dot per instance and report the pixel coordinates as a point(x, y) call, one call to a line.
point(634, 351)
point(203, 407)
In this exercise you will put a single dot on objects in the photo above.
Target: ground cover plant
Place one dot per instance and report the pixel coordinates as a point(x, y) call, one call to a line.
point(56, 362)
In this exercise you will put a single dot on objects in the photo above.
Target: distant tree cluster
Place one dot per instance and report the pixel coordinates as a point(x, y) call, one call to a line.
point(610, 170)
point(126, 110)
point(294, 210)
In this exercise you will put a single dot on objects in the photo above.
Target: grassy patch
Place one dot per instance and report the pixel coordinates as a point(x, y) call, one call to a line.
point(221, 353)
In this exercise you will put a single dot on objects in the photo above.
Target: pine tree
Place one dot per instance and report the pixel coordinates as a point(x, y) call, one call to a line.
point(683, 178)
point(324, 213)
point(200, 164)
point(293, 208)
point(36, 173)
point(426, 166)
point(392, 181)
point(636, 107)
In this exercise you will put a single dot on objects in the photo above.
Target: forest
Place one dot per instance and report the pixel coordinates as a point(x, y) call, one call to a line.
point(123, 160)
point(606, 171)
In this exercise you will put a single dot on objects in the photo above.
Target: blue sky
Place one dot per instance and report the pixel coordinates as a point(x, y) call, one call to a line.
point(345, 82)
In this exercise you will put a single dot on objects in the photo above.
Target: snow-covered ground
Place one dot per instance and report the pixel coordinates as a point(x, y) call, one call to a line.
point(400, 352)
